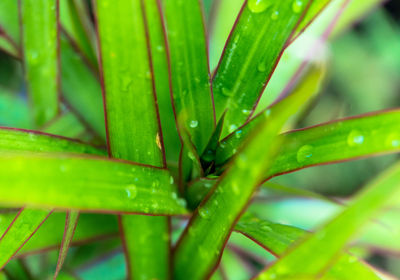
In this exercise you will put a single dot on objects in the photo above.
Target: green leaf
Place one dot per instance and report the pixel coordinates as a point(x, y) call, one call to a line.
point(159, 59)
point(90, 227)
point(134, 129)
point(40, 52)
point(9, 21)
point(19, 231)
point(14, 140)
point(346, 139)
point(306, 88)
point(245, 68)
point(74, 18)
point(81, 88)
point(71, 222)
point(87, 184)
point(278, 238)
point(328, 241)
point(67, 125)
point(189, 69)
point(213, 220)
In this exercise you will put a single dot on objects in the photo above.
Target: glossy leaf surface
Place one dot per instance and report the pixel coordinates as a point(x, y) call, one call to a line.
point(189, 69)
point(19, 231)
point(134, 130)
point(39, 21)
point(245, 68)
point(214, 219)
point(86, 183)
point(34, 141)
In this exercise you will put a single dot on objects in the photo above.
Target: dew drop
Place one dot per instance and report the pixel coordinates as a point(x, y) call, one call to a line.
point(156, 184)
point(194, 124)
point(297, 6)
point(131, 191)
point(235, 188)
point(393, 140)
point(171, 180)
point(275, 15)
point(174, 195)
point(261, 67)
point(232, 127)
point(160, 48)
point(182, 202)
point(246, 112)
point(126, 82)
point(258, 6)
point(304, 153)
point(238, 134)
point(226, 92)
point(355, 138)
point(204, 213)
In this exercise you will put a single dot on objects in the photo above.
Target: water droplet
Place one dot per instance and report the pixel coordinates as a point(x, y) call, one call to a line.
point(191, 156)
point(160, 48)
point(304, 153)
point(171, 180)
point(297, 6)
point(194, 124)
point(275, 15)
point(232, 127)
point(174, 195)
point(258, 6)
point(126, 82)
point(156, 183)
point(204, 213)
point(355, 138)
point(238, 134)
point(33, 57)
point(246, 112)
point(393, 140)
point(216, 202)
point(63, 168)
point(226, 92)
point(182, 202)
point(131, 191)
point(266, 228)
point(261, 67)
point(235, 188)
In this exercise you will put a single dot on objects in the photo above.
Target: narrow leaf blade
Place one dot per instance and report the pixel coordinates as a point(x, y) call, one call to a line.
point(39, 21)
point(109, 186)
point(328, 241)
point(189, 69)
point(71, 222)
point(19, 231)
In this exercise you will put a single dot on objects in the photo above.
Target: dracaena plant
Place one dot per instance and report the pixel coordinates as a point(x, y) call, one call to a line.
point(144, 161)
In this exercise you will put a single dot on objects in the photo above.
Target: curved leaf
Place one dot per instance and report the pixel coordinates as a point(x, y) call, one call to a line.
point(244, 69)
point(328, 241)
point(277, 238)
point(345, 139)
point(71, 222)
point(214, 219)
